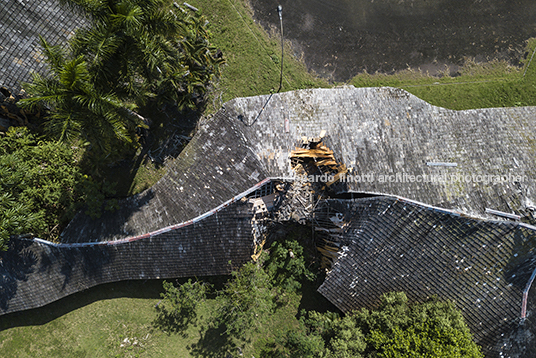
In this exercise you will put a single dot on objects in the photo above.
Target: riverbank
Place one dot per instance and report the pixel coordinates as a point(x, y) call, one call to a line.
point(339, 39)
point(478, 85)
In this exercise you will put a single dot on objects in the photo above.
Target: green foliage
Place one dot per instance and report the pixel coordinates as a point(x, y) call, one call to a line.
point(16, 218)
point(252, 56)
point(178, 308)
point(146, 48)
point(76, 109)
point(431, 329)
point(286, 265)
point(479, 85)
point(246, 301)
point(39, 185)
point(395, 329)
point(132, 52)
point(250, 296)
point(342, 336)
point(295, 343)
point(94, 195)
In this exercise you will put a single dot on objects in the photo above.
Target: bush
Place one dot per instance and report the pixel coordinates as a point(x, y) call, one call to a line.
point(246, 301)
point(286, 265)
point(178, 308)
point(39, 182)
point(395, 329)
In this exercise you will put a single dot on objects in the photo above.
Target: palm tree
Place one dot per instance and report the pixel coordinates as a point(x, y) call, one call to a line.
point(76, 108)
point(142, 49)
point(132, 51)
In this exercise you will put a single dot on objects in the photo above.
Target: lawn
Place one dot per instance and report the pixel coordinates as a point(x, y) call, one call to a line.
point(118, 320)
point(479, 85)
point(111, 320)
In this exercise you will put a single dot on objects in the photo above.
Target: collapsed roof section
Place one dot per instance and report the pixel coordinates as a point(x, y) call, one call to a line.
point(394, 143)
point(389, 140)
point(390, 244)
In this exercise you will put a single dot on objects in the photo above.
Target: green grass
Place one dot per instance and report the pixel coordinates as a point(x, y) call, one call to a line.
point(252, 56)
point(480, 85)
point(96, 322)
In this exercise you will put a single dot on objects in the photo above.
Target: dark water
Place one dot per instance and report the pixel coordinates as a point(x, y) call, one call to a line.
point(340, 38)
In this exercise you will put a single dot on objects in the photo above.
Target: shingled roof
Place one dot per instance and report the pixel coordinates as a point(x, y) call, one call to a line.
point(391, 244)
point(216, 166)
point(387, 131)
point(37, 272)
point(484, 265)
point(378, 131)
point(21, 23)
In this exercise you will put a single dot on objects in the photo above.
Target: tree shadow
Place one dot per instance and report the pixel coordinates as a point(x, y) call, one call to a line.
point(173, 322)
point(312, 300)
point(149, 289)
point(17, 263)
point(169, 132)
point(214, 343)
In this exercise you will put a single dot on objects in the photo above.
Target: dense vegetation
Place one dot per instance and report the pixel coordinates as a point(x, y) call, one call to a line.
point(39, 185)
point(394, 329)
point(134, 55)
point(251, 296)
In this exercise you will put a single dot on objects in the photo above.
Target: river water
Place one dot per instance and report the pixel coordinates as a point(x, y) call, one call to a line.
point(341, 38)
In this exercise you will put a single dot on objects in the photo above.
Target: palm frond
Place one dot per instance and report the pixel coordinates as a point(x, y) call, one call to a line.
point(74, 73)
point(63, 126)
point(55, 55)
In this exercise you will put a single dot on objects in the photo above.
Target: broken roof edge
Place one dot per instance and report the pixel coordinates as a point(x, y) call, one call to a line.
point(249, 191)
point(435, 208)
point(384, 90)
point(167, 228)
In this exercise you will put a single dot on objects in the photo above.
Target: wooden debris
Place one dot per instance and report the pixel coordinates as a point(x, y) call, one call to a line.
point(315, 158)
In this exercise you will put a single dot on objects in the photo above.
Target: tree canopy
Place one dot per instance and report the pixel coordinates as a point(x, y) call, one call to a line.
point(146, 48)
point(251, 296)
point(38, 185)
point(395, 329)
point(77, 110)
point(132, 52)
